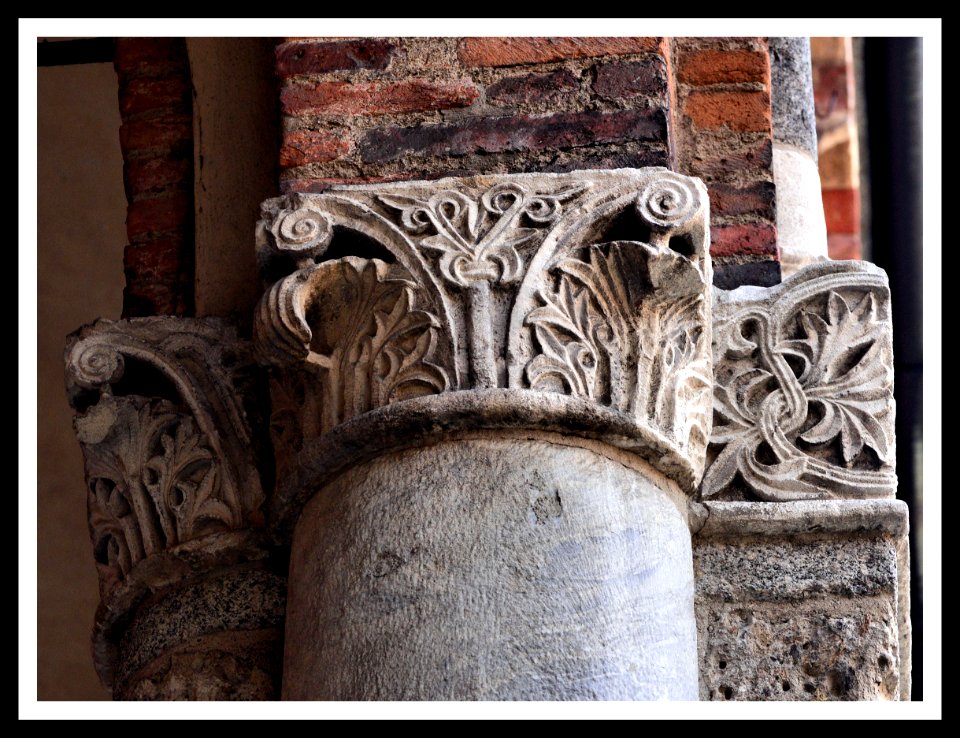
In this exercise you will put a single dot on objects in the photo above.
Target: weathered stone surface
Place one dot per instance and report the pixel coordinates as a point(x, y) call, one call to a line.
point(801, 227)
point(794, 118)
point(803, 394)
point(834, 650)
point(590, 285)
point(492, 323)
point(780, 570)
point(244, 598)
point(165, 434)
point(232, 665)
point(802, 600)
point(493, 568)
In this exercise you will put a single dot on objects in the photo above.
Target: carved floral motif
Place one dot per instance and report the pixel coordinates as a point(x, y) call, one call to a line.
point(621, 330)
point(478, 238)
point(500, 281)
point(803, 400)
point(168, 450)
point(152, 482)
point(369, 347)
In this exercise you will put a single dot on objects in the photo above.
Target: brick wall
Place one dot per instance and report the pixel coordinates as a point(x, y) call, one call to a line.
point(837, 143)
point(722, 134)
point(156, 140)
point(375, 109)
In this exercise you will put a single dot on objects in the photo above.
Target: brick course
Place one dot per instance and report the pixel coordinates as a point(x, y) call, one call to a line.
point(156, 140)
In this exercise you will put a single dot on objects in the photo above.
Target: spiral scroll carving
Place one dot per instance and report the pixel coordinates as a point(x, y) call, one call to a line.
point(92, 364)
point(668, 202)
point(302, 231)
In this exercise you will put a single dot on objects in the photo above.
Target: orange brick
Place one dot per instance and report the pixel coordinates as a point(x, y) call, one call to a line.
point(741, 111)
point(841, 210)
point(715, 66)
point(844, 246)
point(311, 147)
point(503, 52)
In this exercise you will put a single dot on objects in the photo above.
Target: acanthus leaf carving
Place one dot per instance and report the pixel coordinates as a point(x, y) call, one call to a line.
point(521, 282)
point(169, 448)
point(804, 391)
point(153, 482)
point(371, 344)
point(616, 331)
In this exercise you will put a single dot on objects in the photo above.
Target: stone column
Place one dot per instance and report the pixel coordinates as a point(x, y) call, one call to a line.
point(491, 400)
point(801, 228)
point(191, 598)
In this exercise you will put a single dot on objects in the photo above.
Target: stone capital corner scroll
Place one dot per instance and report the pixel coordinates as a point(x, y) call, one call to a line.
point(571, 302)
point(166, 419)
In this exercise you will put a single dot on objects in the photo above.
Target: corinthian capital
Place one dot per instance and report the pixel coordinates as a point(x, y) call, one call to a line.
point(569, 302)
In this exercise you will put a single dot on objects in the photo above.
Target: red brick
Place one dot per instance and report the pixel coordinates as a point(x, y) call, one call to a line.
point(158, 214)
point(502, 52)
point(830, 88)
point(739, 156)
point(150, 57)
point(738, 110)
point(317, 57)
point(515, 133)
point(154, 258)
point(717, 66)
point(756, 199)
point(844, 246)
point(753, 239)
point(144, 175)
point(376, 98)
point(145, 94)
point(631, 78)
point(146, 134)
point(311, 147)
point(841, 210)
point(533, 88)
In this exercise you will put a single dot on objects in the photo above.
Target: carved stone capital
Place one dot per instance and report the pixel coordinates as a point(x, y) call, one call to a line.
point(803, 392)
point(166, 410)
point(577, 296)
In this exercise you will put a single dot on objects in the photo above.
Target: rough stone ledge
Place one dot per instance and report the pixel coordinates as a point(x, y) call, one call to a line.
point(171, 568)
point(423, 420)
point(877, 517)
